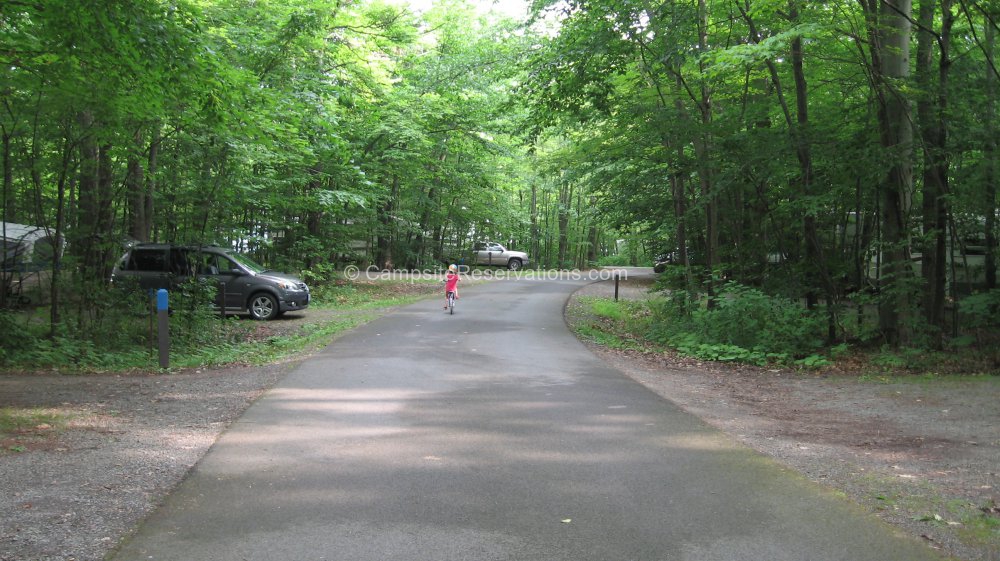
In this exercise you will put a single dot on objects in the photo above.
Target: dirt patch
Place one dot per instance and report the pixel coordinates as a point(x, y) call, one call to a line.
point(922, 453)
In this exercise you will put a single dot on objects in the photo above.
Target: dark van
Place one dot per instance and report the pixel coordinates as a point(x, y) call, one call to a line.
point(244, 286)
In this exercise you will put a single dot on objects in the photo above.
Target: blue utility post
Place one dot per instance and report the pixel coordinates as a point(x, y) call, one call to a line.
point(163, 324)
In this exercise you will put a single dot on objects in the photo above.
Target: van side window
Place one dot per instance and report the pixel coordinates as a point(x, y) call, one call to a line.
point(203, 263)
point(148, 260)
point(179, 264)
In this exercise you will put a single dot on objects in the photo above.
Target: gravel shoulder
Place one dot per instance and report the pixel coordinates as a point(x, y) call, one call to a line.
point(924, 456)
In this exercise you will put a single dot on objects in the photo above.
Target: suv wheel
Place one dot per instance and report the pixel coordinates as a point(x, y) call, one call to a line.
point(514, 264)
point(263, 306)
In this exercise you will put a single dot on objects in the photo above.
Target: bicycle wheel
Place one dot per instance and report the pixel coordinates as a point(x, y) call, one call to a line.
point(451, 303)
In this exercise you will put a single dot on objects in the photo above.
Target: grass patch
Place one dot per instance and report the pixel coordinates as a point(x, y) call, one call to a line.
point(973, 524)
point(596, 335)
point(361, 295)
point(616, 325)
point(21, 427)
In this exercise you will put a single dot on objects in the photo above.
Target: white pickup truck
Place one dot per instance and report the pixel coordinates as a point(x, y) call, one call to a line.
point(496, 255)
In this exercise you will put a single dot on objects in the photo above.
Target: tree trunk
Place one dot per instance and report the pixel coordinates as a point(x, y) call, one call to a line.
point(85, 240)
point(592, 237)
point(702, 147)
point(426, 215)
point(890, 50)
point(815, 258)
point(420, 244)
point(8, 214)
point(151, 169)
point(931, 109)
point(55, 310)
point(990, 158)
point(383, 257)
point(135, 183)
point(535, 246)
point(565, 202)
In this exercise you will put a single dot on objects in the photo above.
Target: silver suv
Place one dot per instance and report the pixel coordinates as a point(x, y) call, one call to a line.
point(494, 254)
point(244, 286)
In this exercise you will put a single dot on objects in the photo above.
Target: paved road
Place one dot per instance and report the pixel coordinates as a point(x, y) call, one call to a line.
point(491, 435)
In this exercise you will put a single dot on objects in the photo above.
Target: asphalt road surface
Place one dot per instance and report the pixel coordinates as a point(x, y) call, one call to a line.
point(491, 434)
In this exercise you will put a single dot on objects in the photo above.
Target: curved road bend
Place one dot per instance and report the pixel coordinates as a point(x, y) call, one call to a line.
point(489, 435)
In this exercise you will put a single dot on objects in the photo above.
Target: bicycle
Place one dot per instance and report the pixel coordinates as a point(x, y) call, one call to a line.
point(451, 302)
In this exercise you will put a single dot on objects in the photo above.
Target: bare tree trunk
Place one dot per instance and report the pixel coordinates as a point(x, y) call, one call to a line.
point(135, 183)
point(815, 258)
point(6, 213)
point(55, 310)
point(565, 204)
point(702, 148)
point(592, 236)
point(383, 257)
point(889, 30)
point(931, 109)
point(428, 204)
point(88, 198)
point(151, 169)
point(535, 246)
point(990, 158)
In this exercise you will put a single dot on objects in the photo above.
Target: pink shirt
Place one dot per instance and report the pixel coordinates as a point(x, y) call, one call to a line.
point(451, 281)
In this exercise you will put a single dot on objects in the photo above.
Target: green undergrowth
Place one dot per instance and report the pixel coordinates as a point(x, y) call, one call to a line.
point(613, 324)
point(746, 326)
point(755, 332)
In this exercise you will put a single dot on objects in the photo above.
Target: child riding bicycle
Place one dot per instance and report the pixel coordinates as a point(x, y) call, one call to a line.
point(451, 283)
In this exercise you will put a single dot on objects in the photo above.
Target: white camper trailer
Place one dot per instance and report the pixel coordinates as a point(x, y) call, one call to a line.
point(28, 253)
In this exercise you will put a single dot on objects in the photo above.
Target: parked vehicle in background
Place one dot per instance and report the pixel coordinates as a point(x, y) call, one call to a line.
point(26, 259)
point(495, 255)
point(244, 286)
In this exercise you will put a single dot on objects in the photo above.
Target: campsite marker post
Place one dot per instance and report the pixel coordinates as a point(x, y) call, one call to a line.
point(163, 324)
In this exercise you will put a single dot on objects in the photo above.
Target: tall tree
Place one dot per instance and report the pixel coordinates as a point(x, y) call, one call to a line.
point(889, 25)
point(990, 163)
point(933, 78)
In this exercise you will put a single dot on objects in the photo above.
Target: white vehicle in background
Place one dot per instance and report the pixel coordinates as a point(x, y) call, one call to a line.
point(493, 254)
point(27, 254)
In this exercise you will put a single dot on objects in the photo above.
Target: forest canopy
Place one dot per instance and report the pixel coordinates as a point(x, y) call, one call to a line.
point(816, 151)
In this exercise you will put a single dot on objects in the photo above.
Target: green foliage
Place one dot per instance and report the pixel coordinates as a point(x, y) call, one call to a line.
point(982, 310)
point(308, 133)
point(911, 359)
point(672, 279)
point(744, 325)
point(689, 344)
point(13, 334)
